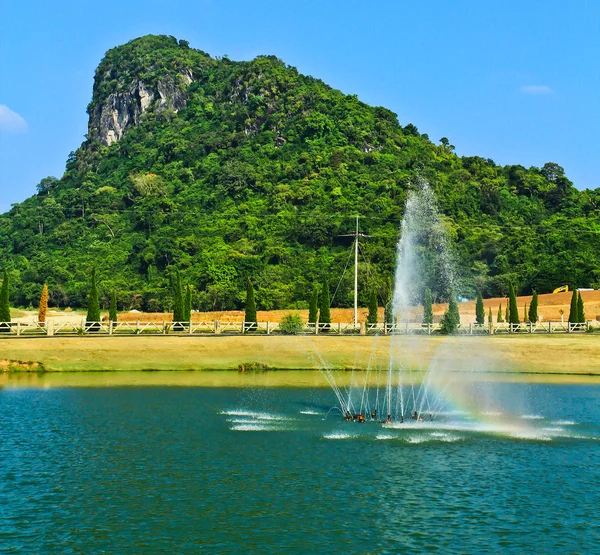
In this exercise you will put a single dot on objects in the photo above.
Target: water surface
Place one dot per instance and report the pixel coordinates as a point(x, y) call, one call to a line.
point(254, 469)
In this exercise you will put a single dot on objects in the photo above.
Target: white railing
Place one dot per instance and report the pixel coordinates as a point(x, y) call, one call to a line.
point(50, 328)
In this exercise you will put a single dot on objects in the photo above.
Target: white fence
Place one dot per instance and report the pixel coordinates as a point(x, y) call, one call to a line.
point(23, 329)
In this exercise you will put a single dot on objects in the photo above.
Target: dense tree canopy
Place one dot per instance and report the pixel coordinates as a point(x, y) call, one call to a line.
point(257, 175)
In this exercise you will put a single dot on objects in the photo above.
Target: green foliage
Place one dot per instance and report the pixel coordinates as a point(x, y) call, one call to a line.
point(373, 306)
point(313, 307)
point(177, 295)
point(513, 311)
point(4, 302)
point(255, 174)
point(93, 305)
point(580, 309)
point(112, 310)
point(525, 313)
point(574, 313)
point(533, 308)
point(324, 308)
point(187, 304)
point(250, 313)
point(490, 317)
point(479, 309)
point(451, 319)
point(500, 317)
point(291, 324)
point(388, 314)
point(428, 307)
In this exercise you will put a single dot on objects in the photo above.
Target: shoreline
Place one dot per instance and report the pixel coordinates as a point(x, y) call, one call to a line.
point(228, 379)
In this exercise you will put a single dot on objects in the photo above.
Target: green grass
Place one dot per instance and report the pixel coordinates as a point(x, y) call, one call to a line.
point(573, 354)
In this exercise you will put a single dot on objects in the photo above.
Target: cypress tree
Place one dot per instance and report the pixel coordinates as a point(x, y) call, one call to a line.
point(93, 310)
point(573, 314)
point(324, 310)
point(428, 307)
point(313, 307)
point(479, 310)
point(490, 318)
point(580, 309)
point(373, 306)
point(513, 311)
point(388, 313)
point(533, 307)
point(499, 318)
point(43, 305)
point(451, 319)
point(112, 309)
point(525, 313)
point(250, 313)
point(177, 300)
point(187, 304)
point(4, 303)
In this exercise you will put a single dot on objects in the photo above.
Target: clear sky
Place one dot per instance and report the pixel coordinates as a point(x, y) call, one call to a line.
point(515, 81)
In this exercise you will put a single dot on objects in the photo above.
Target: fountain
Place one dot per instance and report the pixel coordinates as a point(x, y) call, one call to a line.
point(403, 394)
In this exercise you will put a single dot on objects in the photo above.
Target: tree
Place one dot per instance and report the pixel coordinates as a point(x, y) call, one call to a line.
point(580, 309)
point(93, 308)
point(313, 307)
point(250, 312)
point(112, 309)
point(428, 307)
point(451, 319)
point(500, 318)
point(573, 314)
point(4, 303)
point(525, 313)
point(324, 309)
point(187, 304)
point(373, 307)
point(177, 295)
point(513, 311)
point(533, 308)
point(479, 309)
point(388, 313)
point(490, 318)
point(43, 305)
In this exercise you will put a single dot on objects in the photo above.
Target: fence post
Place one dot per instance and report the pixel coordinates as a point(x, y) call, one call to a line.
point(49, 328)
point(316, 328)
point(268, 329)
point(569, 327)
point(363, 328)
point(471, 328)
point(217, 326)
point(110, 327)
point(243, 328)
point(549, 327)
point(18, 328)
point(190, 324)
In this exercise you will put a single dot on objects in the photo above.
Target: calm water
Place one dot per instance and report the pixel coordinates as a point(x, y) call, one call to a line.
point(252, 470)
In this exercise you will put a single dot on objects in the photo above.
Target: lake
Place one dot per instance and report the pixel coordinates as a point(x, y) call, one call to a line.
point(104, 464)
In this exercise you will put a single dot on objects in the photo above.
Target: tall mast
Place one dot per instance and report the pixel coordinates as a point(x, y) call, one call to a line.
point(356, 274)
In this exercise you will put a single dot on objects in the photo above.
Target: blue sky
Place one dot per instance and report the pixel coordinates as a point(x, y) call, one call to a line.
point(516, 81)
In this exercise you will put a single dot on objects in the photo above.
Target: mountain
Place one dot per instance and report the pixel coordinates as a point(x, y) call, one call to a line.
point(230, 170)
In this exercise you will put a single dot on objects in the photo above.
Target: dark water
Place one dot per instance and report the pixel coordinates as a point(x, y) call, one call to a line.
point(226, 470)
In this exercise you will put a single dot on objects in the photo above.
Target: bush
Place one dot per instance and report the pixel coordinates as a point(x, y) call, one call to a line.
point(291, 324)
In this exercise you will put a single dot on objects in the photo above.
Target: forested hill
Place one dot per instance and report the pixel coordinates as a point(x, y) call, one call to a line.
point(229, 170)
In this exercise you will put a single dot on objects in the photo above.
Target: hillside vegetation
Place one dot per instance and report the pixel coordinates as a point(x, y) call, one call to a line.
point(229, 170)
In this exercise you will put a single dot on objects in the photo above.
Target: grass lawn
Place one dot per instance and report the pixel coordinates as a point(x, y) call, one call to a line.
point(577, 354)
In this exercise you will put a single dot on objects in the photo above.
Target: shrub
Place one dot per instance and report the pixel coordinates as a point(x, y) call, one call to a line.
point(291, 324)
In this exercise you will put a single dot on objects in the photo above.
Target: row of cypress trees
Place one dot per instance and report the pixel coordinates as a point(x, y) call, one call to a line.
point(577, 312)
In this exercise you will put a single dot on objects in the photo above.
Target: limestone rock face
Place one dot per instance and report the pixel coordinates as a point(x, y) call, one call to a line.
point(111, 119)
